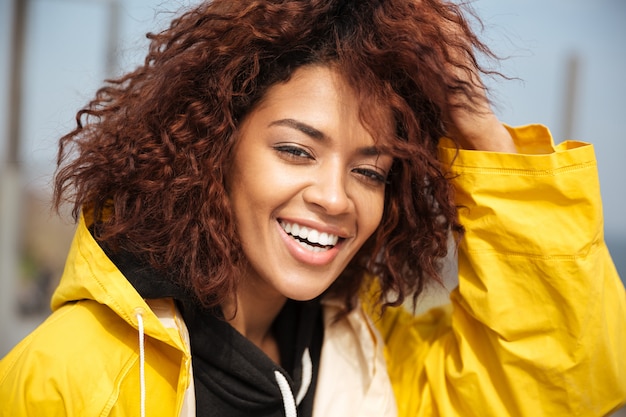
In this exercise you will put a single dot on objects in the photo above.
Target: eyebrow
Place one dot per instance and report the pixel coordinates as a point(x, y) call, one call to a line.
point(302, 127)
point(319, 135)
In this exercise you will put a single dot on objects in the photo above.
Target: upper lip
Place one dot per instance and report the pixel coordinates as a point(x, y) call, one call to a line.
point(321, 227)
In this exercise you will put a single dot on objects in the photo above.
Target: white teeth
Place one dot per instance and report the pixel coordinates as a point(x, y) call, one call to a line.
point(312, 248)
point(326, 239)
point(311, 235)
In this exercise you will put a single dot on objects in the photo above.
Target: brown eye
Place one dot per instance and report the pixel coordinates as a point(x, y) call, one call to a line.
point(292, 151)
point(371, 175)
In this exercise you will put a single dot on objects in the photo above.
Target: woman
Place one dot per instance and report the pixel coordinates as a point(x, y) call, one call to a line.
point(258, 200)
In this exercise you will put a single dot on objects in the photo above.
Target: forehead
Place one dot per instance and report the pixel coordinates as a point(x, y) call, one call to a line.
point(319, 93)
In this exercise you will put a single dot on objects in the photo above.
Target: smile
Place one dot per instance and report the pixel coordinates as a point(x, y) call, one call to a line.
point(311, 239)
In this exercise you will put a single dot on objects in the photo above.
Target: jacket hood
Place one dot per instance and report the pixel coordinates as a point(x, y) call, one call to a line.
point(90, 275)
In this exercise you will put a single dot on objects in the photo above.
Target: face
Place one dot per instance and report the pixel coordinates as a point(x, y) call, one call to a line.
point(307, 185)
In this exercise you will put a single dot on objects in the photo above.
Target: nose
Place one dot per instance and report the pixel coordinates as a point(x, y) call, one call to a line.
point(328, 191)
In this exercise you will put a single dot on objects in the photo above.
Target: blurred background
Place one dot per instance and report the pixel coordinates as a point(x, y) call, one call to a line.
point(567, 58)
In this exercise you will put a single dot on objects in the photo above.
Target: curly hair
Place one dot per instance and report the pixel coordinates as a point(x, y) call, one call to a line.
point(149, 153)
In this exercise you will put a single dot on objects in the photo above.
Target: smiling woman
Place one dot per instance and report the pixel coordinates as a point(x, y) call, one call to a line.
point(303, 167)
point(257, 201)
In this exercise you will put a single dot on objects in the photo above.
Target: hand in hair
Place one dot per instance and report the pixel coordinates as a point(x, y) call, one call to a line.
point(480, 129)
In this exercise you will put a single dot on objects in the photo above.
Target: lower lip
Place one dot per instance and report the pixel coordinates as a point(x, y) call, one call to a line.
point(305, 256)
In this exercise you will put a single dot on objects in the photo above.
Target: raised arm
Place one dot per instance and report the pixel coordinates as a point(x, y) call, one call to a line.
point(537, 325)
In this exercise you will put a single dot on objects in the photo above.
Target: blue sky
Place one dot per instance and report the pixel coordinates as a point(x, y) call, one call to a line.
point(66, 60)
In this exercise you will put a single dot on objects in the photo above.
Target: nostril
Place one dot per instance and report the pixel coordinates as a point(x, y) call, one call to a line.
point(330, 196)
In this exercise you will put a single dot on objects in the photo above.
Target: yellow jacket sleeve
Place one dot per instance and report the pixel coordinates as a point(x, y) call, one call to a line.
point(537, 325)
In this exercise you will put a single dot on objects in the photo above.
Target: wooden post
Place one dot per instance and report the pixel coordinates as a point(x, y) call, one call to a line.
point(570, 96)
point(10, 186)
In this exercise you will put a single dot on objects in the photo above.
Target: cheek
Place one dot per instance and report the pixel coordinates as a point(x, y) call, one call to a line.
point(371, 213)
point(249, 183)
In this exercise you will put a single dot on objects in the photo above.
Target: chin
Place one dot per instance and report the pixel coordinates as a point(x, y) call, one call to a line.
point(303, 292)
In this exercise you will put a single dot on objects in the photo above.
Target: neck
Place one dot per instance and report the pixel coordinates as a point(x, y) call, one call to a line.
point(252, 314)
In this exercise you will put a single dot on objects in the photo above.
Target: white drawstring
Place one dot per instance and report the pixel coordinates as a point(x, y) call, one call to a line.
point(142, 377)
point(307, 376)
point(285, 390)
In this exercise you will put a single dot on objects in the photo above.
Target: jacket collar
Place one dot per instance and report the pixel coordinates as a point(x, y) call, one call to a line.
point(90, 275)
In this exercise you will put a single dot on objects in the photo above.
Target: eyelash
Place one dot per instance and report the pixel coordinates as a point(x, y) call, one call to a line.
point(371, 175)
point(293, 151)
point(298, 153)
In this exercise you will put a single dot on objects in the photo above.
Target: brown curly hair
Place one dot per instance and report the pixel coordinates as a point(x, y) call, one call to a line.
point(149, 154)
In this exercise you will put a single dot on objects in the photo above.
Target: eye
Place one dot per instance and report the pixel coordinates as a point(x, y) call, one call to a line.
point(293, 152)
point(371, 175)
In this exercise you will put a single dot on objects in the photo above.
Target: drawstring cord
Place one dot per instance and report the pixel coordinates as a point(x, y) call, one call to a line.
point(307, 375)
point(285, 390)
point(289, 403)
point(142, 359)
